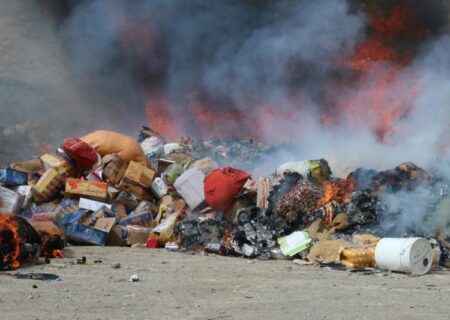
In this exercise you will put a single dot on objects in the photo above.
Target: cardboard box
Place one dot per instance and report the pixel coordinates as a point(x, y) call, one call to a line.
point(137, 180)
point(173, 202)
point(92, 205)
point(10, 201)
point(113, 168)
point(26, 193)
point(84, 234)
point(143, 219)
point(31, 166)
point(113, 192)
point(163, 164)
point(87, 189)
point(129, 201)
point(47, 227)
point(48, 187)
point(136, 191)
point(105, 224)
point(139, 175)
point(137, 234)
point(119, 209)
point(205, 164)
point(58, 162)
point(191, 187)
point(117, 236)
point(12, 177)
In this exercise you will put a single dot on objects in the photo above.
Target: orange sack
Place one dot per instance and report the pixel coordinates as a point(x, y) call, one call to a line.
point(109, 142)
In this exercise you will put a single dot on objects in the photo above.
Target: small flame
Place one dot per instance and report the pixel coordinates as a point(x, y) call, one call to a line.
point(336, 191)
point(49, 241)
point(57, 254)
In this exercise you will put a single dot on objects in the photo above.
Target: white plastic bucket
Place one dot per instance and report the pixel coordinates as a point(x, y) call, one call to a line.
point(409, 255)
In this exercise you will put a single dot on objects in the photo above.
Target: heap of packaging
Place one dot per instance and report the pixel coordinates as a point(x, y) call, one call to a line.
point(98, 190)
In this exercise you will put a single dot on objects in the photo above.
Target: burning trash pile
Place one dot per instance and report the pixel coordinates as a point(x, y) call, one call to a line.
point(109, 189)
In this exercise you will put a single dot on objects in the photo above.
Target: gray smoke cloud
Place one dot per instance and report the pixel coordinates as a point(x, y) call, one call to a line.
point(242, 54)
point(237, 53)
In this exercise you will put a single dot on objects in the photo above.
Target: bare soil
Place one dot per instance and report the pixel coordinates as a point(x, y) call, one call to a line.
point(174, 285)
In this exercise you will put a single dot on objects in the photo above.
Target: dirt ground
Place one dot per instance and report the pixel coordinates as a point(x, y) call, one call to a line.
point(175, 285)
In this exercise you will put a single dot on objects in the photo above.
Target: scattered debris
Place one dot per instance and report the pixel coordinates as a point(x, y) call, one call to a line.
point(134, 278)
point(81, 260)
point(33, 276)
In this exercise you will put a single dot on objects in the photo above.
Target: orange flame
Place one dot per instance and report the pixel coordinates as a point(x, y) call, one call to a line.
point(9, 233)
point(46, 250)
point(384, 95)
point(378, 96)
point(336, 191)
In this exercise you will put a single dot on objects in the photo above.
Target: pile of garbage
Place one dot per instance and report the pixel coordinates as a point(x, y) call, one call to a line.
point(109, 189)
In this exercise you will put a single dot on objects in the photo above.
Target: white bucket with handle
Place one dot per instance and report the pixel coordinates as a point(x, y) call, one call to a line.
point(409, 255)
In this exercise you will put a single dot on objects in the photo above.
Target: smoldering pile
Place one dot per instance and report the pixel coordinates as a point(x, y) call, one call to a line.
point(108, 189)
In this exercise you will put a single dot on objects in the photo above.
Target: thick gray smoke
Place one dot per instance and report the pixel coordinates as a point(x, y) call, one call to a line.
point(236, 53)
point(239, 55)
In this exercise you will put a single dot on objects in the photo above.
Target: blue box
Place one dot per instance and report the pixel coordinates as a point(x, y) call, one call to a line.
point(80, 233)
point(144, 219)
point(84, 234)
point(11, 177)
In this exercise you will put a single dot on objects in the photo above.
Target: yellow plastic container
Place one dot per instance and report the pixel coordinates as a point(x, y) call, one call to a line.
point(358, 256)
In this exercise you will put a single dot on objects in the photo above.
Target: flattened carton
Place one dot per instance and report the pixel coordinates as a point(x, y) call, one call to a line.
point(87, 189)
point(10, 201)
point(137, 180)
point(31, 166)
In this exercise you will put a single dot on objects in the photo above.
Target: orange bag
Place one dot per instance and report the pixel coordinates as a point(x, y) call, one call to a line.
point(222, 186)
point(109, 142)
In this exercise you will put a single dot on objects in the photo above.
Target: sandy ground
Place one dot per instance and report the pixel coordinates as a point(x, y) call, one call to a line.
point(175, 285)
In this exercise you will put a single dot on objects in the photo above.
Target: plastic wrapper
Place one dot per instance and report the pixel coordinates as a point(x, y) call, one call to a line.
point(172, 173)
